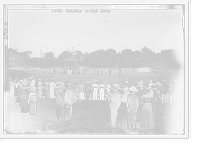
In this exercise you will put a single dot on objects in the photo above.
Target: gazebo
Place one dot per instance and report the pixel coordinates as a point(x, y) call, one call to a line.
point(72, 63)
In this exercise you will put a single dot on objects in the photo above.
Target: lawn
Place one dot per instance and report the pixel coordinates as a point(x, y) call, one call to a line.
point(89, 117)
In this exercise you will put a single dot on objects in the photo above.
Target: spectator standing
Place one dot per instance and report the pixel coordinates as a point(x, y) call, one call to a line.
point(69, 95)
point(115, 102)
point(59, 101)
point(46, 88)
point(81, 88)
point(39, 89)
point(76, 91)
point(147, 112)
point(101, 91)
point(132, 107)
point(126, 91)
point(52, 89)
point(88, 87)
point(24, 93)
point(156, 107)
point(32, 98)
point(95, 91)
point(11, 92)
point(165, 92)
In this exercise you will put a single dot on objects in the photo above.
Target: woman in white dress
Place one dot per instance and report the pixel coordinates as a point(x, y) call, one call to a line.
point(12, 92)
point(47, 89)
point(39, 88)
point(24, 95)
point(102, 91)
point(32, 99)
point(59, 101)
point(52, 87)
point(147, 111)
point(95, 91)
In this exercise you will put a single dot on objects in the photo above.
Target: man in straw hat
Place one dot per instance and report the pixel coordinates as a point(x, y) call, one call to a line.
point(115, 102)
point(132, 104)
point(69, 100)
point(156, 106)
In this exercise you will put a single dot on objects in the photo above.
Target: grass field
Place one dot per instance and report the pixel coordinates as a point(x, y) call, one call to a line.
point(89, 117)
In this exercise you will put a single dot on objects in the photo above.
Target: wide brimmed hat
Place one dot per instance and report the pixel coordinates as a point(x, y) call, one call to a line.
point(133, 89)
point(141, 82)
point(59, 84)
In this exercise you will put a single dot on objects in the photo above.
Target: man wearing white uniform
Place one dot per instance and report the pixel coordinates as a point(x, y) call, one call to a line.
point(102, 91)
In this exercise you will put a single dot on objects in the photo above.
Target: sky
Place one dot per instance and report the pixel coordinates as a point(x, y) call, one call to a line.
point(130, 29)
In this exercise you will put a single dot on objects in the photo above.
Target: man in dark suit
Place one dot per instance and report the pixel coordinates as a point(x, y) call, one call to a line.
point(69, 98)
point(156, 107)
point(115, 102)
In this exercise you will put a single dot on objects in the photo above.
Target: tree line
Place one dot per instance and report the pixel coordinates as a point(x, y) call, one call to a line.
point(109, 58)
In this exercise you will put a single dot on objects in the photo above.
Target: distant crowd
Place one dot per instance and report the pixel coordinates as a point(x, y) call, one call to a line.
point(142, 99)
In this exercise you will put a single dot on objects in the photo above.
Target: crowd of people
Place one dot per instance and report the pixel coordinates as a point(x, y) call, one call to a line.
point(142, 99)
point(143, 103)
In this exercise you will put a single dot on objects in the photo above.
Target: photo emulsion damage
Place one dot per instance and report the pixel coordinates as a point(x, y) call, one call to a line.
point(102, 70)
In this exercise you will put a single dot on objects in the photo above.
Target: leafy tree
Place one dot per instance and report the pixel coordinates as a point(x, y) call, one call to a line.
point(64, 55)
point(111, 54)
point(49, 56)
point(147, 52)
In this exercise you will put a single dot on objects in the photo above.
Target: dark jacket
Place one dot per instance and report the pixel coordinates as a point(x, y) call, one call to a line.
point(76, 88)
point(157, 99)
point(165, 88)
point(115, 99)
point(69, 95)
point(126, 93)
point(132, 101)
point(81, 87)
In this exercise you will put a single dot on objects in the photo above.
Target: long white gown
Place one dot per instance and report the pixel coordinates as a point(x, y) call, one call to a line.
point(39, 89)
point(11, 93)
point(33, 101)
point(95, 91)
point(46, 89)
point(102, 92)
point(51, 90)
point(60, 112)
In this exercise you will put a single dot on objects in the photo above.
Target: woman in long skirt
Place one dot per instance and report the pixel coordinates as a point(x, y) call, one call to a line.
point(95, 91)
point(147, 113)
point(39, 94)
point(81, 91)
point(102, 91)
point(59, 101)
point(132, 104)
point(47, 89)
point(51, 89)
point(17, 92)
point(24, 93)
point(32, 100)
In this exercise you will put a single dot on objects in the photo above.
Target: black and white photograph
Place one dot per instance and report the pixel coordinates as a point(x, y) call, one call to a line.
point(95, 70)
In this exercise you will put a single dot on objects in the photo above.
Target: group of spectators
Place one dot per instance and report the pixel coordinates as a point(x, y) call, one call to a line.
point(143, 99)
